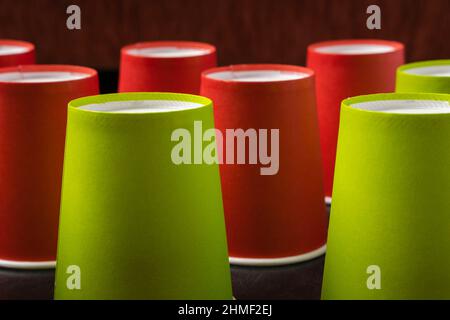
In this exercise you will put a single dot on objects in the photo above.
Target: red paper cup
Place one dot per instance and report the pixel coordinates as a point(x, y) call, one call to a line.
point(14, 53)
point(277, 218)
point(33, 108)
point(347, 68)
point(165, 66)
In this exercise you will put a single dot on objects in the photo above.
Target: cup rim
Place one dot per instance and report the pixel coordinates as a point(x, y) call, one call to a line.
point(91, 73)
point(210, 49)
point(254, 67)
point(279, 261)
point(28, 45)
point(347, 104)
point(419, 64)
point(75, 104)
point(312, 48)
point(27, 265)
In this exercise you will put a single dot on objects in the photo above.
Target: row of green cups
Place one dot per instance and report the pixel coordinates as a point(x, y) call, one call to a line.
point(135, 226)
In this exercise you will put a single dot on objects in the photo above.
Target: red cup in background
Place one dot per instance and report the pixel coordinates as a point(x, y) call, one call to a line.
point(14, 53)
point(278, 218)
point(346, 68)
point(165, 66)
point(33, 109)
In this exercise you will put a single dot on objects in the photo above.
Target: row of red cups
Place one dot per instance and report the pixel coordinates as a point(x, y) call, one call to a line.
point(271, 219)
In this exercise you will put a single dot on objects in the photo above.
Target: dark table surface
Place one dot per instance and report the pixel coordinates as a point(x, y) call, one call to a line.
point(298, 281)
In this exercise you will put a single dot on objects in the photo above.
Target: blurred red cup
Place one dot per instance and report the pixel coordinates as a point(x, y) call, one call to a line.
point(347, 68)
point(14, 53)
point(275, 214)
point(165, 66)
point(33, 108)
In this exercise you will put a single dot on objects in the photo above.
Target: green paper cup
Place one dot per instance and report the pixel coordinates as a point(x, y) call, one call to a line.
point(134, 224)
point(426, 76)
point(390, 217)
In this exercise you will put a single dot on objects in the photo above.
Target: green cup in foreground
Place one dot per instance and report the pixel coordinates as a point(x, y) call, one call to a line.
point(133, 224)
point(390, 217)
point(426, 76)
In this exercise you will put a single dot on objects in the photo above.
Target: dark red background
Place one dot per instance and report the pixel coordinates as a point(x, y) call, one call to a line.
point(259, 31)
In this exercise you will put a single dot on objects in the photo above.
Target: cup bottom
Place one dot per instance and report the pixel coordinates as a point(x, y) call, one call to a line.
point(27, 265)
point(273, 262)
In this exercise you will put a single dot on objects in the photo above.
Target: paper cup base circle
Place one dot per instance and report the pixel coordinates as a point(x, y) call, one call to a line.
point(328, 200)
point(273, 262)
point(27, 265)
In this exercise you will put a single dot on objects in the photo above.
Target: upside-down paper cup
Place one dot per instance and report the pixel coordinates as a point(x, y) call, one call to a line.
point(272, 184)
point(426, 76)
point(33, 104)
point(165, 66)
point(343, 69)
point(135, 222)
point(388, 235)
point(14, 53)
